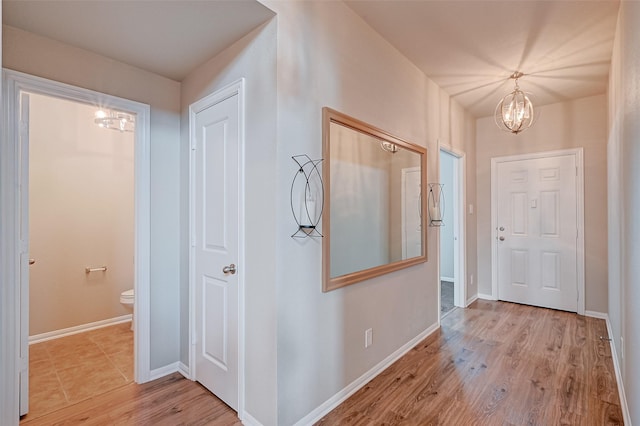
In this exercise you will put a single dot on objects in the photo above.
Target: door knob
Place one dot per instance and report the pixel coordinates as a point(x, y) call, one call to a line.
point(501, 238)
point(231, 269)
point(32, 261)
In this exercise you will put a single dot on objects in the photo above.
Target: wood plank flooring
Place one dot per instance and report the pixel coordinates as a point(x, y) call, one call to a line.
point(171, 400)
point(493, 363)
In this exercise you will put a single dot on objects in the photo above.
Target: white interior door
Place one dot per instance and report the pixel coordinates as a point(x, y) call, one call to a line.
point(411, 214)
point(537, 233)
point(216, 249)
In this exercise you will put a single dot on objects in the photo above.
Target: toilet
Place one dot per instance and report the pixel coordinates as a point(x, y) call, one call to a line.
point(126, 298)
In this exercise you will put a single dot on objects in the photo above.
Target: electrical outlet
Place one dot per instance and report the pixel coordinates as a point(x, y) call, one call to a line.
point(368, 337)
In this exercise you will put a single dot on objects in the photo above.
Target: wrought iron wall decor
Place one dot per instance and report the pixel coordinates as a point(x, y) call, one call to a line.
point(307, 197)
point(435, 204)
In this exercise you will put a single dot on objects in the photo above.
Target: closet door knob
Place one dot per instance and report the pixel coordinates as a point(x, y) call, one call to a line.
point(231, 269)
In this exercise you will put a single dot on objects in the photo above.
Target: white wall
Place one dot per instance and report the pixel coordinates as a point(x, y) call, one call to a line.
point(458, 134)
point(36, 55)
point(327, 56)
point(446, 231)
point(80, 215)
point(571, 124)
point(254, 58)
point(624, 201)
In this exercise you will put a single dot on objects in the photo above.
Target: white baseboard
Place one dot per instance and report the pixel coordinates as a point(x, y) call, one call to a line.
point(471, 300)
point(626, 416)
point(249, 420)
point(486, 296)
point(616, 366)
point(448, 279)
point(600, 315)
point(354, 386)
point(184, 370)
point(56, 334)
point(164, 371)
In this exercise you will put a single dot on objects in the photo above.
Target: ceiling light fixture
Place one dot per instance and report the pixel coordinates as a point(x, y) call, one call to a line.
point(389, 146)
point(514, 112)
point(115, 120)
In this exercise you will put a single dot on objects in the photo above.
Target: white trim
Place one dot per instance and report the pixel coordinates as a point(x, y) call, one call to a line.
point(235, 88)
point(184, 370)
point(594, 314)
point(56, 334)
point(460, 222)
point(157, 373)
point(485, 296)
point(14, 83)
point(624, 406)
point(579, 155)
point(471, 300)
point(9, 262)
point(448, 279)
point(358, 383)
point(249, 420)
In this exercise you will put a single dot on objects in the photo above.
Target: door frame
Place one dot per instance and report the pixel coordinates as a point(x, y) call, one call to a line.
point(459, 227)
point(219, 95)
point(14, 83)
point(578, 153)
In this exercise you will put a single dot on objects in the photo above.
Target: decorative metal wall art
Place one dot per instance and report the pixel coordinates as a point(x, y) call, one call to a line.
point(307, 197)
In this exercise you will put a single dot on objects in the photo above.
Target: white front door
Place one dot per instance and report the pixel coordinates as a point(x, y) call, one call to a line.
point(215, 241)
point(537, 231)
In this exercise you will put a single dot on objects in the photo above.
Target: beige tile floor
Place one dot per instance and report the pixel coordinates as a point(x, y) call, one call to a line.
point(70, 369)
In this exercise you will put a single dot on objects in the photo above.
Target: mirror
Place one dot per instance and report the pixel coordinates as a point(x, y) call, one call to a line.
point(374, 182)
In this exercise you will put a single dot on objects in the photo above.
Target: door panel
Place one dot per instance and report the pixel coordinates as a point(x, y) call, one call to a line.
point(411, 214)
point(537, 232)
point(216, 246)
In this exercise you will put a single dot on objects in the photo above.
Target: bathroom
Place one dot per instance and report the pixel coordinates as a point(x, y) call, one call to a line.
point(81, 245)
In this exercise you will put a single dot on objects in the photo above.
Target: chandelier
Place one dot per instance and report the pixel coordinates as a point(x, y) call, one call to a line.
point(514, 112)
point(115, 120)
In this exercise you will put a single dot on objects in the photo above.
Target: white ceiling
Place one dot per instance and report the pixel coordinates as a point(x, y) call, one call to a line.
point(470, 48)
point(166, 37)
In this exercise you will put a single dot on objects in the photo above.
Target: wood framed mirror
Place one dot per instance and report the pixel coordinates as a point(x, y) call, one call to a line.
point(374, 201)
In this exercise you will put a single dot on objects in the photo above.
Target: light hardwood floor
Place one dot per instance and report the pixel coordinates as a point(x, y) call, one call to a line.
point(493, 363)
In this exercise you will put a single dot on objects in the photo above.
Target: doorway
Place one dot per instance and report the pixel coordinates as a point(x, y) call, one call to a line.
point(452, 232)
point(19, 88)
point(537, 219)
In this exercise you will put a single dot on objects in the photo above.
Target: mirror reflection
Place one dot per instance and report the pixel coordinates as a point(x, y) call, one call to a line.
point(375, 204)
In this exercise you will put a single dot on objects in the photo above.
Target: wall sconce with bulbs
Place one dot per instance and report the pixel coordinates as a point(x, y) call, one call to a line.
point(514, 112)
point(115, 120)
point(307, 197)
